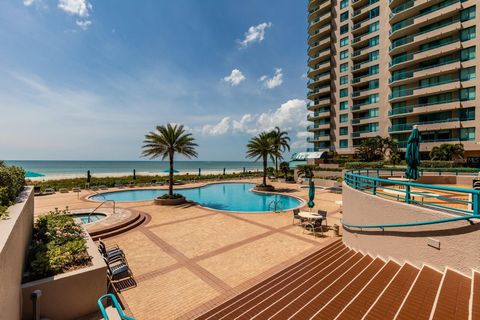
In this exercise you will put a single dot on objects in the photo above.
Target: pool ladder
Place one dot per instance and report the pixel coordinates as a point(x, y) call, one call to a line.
point(277, 205)
point(101, 204)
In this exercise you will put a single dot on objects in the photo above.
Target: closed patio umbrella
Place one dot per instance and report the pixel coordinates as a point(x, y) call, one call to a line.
point(89, 176)
point(412, 155)
point(134, 175)
point(311, 194)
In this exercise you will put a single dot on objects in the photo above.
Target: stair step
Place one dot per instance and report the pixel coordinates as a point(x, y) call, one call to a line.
point(386, 307)
point(274, 300)
point(336, 305)
point(419, 302)
point(454, 297)
point(360, 305)
point(133, 224)
point(320, 295)
point(475, 299)
point(333, 250)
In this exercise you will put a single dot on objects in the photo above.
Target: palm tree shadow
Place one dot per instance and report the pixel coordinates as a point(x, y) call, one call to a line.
point(285, 190)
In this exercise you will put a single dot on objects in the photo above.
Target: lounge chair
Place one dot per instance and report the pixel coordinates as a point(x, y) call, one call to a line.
point(48, 191)
point(296, 216)
point(76, 189)
point(102, 187)
point(95, 188)
point(119, 275)
point(113, 255)
point(37, 191)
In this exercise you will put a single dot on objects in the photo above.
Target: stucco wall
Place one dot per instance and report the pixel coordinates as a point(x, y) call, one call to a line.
point(458, 240)
point(70, 295)
point(15, 234)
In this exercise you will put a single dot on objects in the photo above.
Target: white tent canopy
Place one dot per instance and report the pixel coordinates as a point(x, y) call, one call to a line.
point(302, 156)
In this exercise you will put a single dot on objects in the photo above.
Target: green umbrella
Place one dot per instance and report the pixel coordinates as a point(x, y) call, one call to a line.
point(412, 156)
point(311, 194)
point(30, 174)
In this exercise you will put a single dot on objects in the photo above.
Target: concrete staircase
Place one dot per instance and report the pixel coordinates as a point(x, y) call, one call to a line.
point(339, 283)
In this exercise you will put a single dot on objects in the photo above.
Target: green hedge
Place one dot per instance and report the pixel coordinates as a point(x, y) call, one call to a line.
point(438, 164)
point(363, 165)
point(12, 181)
point(58, 245)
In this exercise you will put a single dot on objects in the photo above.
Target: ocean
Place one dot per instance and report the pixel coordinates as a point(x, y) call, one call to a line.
point(57, 169)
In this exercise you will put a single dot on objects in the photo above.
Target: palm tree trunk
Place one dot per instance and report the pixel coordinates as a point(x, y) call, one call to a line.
point(276, 165)
point(170, 175)
point(265, 170)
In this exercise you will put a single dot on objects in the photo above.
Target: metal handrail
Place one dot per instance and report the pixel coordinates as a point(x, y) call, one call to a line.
point(116, 305)
point(275, 204)
point(413, 224)
point(101, 204)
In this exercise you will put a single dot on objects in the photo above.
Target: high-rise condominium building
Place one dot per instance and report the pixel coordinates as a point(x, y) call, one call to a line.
point(379, 67)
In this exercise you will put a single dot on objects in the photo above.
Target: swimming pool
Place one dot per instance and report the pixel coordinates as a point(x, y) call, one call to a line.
point(86, 218)
point(219, 196)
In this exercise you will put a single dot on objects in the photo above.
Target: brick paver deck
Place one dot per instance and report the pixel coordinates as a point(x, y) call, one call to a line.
point(189, 258)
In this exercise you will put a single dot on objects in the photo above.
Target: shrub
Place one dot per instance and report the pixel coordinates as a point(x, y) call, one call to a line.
point(173, 196)
point(12, 181)
point(58, 245)
point(363, 165)
point(437, 164)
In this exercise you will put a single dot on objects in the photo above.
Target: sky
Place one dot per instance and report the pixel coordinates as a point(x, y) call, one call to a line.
point(87, 79)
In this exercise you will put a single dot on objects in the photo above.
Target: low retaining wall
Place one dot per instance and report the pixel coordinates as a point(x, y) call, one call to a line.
point(15, 234)
point(453, 244)
point(69, 295)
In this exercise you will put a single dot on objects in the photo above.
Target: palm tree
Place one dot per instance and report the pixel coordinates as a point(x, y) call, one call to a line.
point(263, 147)
point(306, 171)
point(165, 142)
point(285, 168)
point(281, 141)
point(447, 152)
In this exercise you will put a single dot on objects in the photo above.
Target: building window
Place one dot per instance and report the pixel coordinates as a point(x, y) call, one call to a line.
point(374, 41)
point(343, 93)
point(373, 69)
point(467, 134)
point(344, 118)
point(343, 143)
point(374, 12)
point(467, 34)
point(467, 54)
point(373, 84)
point(343, 80)
point(344, 105)
point(344, 54)
point(467, 74)
point(373, 98)
point(374, 55)
point(343, 4)
point(344, 42)
point(373, 113)
point(344, 29)
point(344, 67)
point(374, 26)
point(467, 14)
point(467, 94)
point(344, 16)
point(374, 127)
point(344, 131)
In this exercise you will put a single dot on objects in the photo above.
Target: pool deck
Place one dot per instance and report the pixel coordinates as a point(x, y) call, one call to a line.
point(188, 258)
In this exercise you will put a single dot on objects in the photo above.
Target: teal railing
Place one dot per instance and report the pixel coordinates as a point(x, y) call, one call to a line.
point(115, 305)
point(465, 202)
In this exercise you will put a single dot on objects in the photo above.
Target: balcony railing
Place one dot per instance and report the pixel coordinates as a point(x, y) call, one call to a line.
point(409, 91)
point(409, 126)
point(402, 7)
point(409, 73)
point(410, 109)
point(358, 106)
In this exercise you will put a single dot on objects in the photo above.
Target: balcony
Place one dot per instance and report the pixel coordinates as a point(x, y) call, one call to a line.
point(427, 145)
point(357, 67)
point(363, 39)
point(318, 34)
point(362, 93)
point(317, 22)
point(363, 52)
point(318, 91)
point(318, 46)
point(320, 68)
point(318, 56)
point(426, 72)
point(363, 12)
point(364, 120)
point(444, 86)
point(364, 134)
point(318, 126)
point(318, 79)
point(318, 10)
point(452, 123)
point(438, 106)
point(363, 106)
point(318, 138)
point(324, 113)
point(317, 104)
point(419, 20)
point(363, 79)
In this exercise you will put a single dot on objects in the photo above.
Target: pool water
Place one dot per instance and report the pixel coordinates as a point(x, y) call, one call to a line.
point(219, 196)
point(85, 219)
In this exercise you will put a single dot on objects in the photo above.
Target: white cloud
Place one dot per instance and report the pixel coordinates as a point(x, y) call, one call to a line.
point(255, 34)
point(290, 116)
point(80, 8)
point(273, 82)
point(28, 2)
point(84, 24)
point(220, 128)
point(235, 77)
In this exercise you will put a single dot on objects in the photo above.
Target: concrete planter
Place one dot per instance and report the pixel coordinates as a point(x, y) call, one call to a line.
point(264, 188)
point(170, 202)
point(77, 290)
point(15, 234)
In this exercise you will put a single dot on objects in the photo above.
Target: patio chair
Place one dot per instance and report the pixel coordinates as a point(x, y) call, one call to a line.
point(37, 191)
point(112, 255)
point(313, 226)
point(296, 216)
point(323, 213)
point(119, 275)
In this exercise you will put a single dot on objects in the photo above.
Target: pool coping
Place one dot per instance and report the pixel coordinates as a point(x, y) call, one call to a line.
point(303, 202)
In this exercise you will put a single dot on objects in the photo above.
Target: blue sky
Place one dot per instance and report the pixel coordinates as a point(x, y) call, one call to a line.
point(86, 79)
